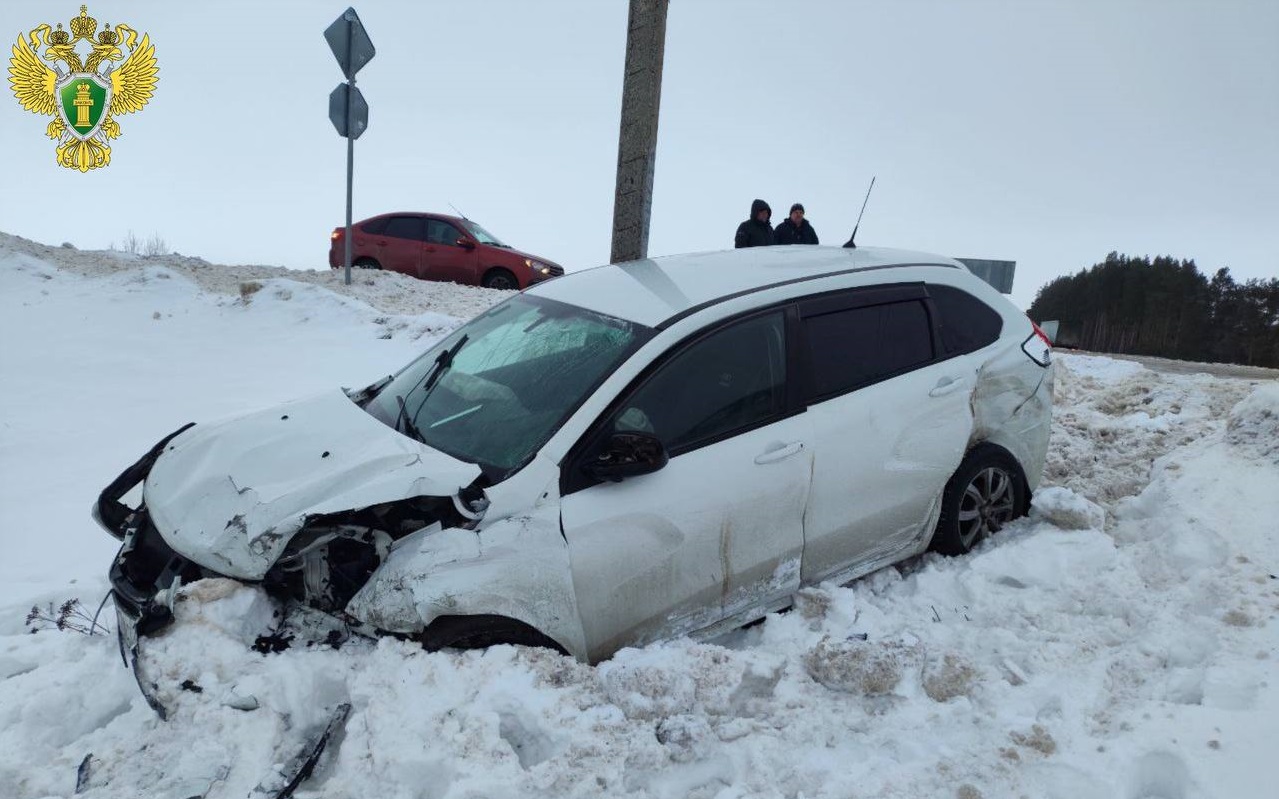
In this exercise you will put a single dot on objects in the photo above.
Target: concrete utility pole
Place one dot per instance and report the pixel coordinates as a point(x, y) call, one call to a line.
point(637, 141)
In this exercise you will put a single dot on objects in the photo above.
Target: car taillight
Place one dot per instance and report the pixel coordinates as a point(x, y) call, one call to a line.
point(1037, 346)
point(337, 234)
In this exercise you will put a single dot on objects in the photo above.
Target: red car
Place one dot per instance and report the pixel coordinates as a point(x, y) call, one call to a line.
point(439, 247)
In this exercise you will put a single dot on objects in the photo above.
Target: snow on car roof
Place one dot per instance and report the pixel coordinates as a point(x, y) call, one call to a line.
point(653, 290)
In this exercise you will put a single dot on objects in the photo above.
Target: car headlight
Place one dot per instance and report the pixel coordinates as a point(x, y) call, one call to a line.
point(537, 266)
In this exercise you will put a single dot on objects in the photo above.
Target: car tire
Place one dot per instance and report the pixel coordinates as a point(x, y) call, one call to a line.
point(987, 491)
point(498, 278)
point(366, 263)
point(480, 632)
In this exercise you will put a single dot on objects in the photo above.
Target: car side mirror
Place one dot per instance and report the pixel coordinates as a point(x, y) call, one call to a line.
point(465, 244)
point(627, 455)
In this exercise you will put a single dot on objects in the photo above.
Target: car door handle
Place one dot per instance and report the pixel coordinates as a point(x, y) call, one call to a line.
point(947, 385)
point(778, 451)
point(381, 242)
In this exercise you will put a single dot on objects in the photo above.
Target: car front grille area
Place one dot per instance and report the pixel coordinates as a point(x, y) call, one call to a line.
point(556, 271)
point(145, 565)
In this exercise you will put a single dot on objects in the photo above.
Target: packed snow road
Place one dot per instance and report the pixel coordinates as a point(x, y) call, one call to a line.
point(1120, 642)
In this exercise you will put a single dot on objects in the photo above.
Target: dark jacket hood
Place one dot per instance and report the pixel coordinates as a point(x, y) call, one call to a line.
point(760, 205)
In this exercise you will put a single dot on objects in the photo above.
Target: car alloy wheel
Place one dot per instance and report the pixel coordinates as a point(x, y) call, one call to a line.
point(501, 280)
point(984, 494)
point(987, 504)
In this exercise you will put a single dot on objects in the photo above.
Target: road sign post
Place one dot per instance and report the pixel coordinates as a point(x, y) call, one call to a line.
point(348, 111)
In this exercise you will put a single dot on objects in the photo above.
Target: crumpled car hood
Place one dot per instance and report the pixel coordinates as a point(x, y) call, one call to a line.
point(231, 495)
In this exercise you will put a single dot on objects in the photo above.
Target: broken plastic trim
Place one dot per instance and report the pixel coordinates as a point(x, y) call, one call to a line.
point(127, 631)
point(281, 783)
point(334, 555)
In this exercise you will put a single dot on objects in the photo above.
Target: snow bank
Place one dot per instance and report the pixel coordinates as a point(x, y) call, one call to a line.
point(1114, 419)
point(1100, 368)
point(388, 292)
point(1254, 423)
point(1119, 642)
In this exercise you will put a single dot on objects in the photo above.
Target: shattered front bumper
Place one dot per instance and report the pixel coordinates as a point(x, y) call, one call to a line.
point(126, 625)
point(145, 577)
point(146, 572)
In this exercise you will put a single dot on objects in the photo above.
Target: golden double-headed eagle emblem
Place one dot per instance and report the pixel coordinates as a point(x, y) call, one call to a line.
point(114, 75)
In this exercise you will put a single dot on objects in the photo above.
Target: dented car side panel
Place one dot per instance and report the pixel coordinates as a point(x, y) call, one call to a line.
point(883, 456)
point(1025, 431)
point(513, 565)
point(717, 532)
point(1012, 401)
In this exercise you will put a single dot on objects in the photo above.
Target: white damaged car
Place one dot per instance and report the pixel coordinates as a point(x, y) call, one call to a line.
point(652, 449)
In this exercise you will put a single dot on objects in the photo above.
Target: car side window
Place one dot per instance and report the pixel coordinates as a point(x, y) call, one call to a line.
point(859, 346)
point(374, 227)
point(404, 227)
point(966, 323)
point(728, 381)
point(438, 232)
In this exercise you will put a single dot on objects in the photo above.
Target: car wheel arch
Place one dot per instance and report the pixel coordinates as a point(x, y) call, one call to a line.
point(497, 270)
point(989, 445)
point(982, 455)
point(517, 568)
point(477, 631)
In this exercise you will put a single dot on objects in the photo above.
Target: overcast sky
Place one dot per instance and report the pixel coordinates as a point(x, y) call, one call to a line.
point(1046, 132)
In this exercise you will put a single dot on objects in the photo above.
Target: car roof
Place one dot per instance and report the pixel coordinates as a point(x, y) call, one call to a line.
point(655, 291)
point(456, 220)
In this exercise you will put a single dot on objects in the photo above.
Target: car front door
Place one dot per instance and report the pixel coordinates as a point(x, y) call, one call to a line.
point(891, 423)
point(399, 247)
point(715, 535)
point(443, 258)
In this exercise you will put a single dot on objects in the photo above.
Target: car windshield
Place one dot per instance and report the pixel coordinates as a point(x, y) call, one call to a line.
point(483, 236)
point(494, 391)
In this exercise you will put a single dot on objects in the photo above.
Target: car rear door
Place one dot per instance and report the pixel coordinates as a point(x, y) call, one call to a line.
point(891, 422)
point(364, 236)
point(442, 257)
point(399, 247)
point(717, 533)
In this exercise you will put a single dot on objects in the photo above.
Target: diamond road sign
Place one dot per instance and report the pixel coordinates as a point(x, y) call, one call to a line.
point(359, 110)
point(350, 43)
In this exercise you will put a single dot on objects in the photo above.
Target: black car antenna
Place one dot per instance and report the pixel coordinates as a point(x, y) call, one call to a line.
point(852, 240)
point(459, 213)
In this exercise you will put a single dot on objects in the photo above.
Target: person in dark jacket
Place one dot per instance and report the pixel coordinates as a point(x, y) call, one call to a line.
point(795, 228)
point(756, 231)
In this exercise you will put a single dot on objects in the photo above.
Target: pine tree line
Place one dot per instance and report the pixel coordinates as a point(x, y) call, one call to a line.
point(1164, 307)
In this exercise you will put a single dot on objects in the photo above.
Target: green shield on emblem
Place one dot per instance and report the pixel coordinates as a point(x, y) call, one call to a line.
point(83, 101)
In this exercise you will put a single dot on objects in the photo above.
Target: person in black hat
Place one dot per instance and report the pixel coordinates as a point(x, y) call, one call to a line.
point(756, 231)
point(795, 228)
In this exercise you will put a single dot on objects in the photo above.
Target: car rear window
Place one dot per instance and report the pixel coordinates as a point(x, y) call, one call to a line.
point(966, 323)
point(374, 226)
point(860, 346)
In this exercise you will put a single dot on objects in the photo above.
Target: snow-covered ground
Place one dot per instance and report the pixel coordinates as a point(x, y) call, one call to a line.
point(1120, 642)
